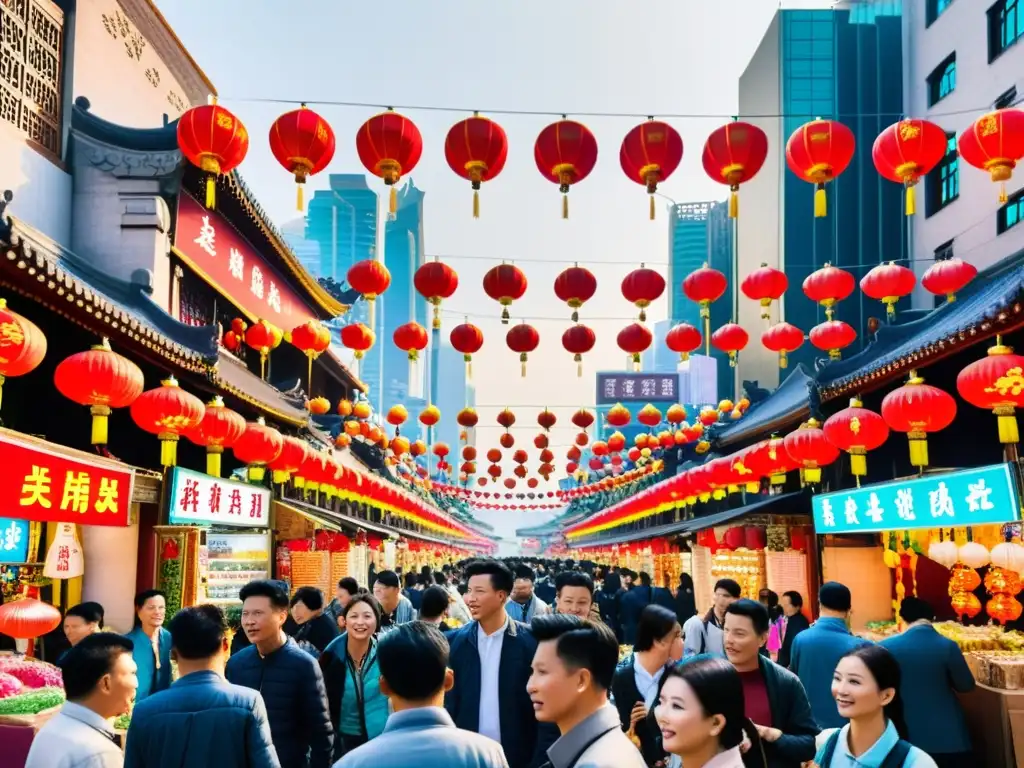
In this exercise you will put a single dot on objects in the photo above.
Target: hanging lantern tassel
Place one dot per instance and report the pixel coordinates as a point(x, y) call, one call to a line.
point(820, 201)
point(705, 313)
point(579, 365)
point(811, 474)
point(522, 363)
point(636, 362)
point(469, 366)
point(280, 477)
point(766, 310)
point(263, 363)
point(213, 453)
point(100, 415)
point(918, 448)
point(504, 314)
point(2, 379)
point(858, 463)
point(652, 206)
point(732, 359)
point(734, 202)
point(911, 205)
point(168, 449)
point(436, 324)
point(890, 306)
point(310, 355)
point(783, 359)
point(211, 191)
point(256, 473)
point(393, 201)
point(298, 195)
point(1007, 421)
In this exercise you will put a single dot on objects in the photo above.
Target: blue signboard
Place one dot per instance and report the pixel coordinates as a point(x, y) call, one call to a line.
point(982, 496)
point(13, 540)
point(630, 387)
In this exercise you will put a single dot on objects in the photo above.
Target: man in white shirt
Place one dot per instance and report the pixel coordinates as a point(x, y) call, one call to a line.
point(100, 683)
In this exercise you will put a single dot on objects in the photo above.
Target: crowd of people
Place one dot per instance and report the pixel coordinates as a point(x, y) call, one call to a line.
point(507, 664)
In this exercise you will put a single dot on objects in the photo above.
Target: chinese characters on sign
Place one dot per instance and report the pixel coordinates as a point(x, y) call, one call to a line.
point(199, 499)
point(987, 495)
point(623, 387)
point(218, 253)
point(49, 487)
point(13, 540)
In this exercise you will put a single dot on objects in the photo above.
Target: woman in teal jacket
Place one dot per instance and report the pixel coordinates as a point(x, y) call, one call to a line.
point(152, 644)
point(359, 711)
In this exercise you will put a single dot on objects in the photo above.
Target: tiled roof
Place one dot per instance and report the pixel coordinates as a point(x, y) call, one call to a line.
point(789, 403)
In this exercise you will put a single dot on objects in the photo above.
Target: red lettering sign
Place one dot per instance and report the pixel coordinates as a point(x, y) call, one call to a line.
point(222, 257)
point(48, 487)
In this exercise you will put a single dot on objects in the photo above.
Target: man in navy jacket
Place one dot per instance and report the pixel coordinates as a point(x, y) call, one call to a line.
point(490, 658)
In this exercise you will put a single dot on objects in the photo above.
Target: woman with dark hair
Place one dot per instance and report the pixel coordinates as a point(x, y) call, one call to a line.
point(866, 687)
point(770, 600)
point(659, 643)
point(608, 602)
point(686, 603)
point(700, 716)
point(151, 643)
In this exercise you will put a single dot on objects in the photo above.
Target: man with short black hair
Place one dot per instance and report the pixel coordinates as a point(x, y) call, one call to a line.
point(574, 594)
point(573, 669)
point(794, 622)
point(414, 675)
point(524, 604)
point(395, 607)
point(226, 725)
point(817, 651)
point(82, 620)
point(100, 683)
point(703, 634)
point(316, 628)
point(434, 607)
point(346, 588)
point(773, 698)
point(288, 678)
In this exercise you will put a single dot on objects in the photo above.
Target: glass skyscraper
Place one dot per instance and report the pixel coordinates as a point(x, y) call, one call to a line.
point(343, 221)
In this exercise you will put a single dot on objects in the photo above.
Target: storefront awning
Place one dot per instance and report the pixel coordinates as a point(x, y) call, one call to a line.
point(354, 523)
point(317, 517)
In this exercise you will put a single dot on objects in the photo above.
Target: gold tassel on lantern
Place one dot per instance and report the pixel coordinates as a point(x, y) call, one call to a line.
point(168, 449)
point(257, 472)
point(734, 203)
point(1007, 421)
point(918, 448)
point(911, 207)
point(1002, 192)
point(213, 453)
point(652, 207)
point(858, 463)
point(579, 364)
point(393, 201)
point(522, 363)
point(298, 196)
point(476, 204)
point(783, 359)
point(811, 474)
point(211, 192)
point(100, 415)
point(565, 206)
point(469, 366)
point(820, 201)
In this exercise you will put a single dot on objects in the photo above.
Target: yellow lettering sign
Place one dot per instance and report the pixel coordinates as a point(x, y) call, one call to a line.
point(107, 497)
point(35, 490)
point(988, 125)
point(855, 425)
point(1011, 382)
point(76, 492)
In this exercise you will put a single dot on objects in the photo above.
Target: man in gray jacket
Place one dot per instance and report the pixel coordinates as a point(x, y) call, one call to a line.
point(572, 674)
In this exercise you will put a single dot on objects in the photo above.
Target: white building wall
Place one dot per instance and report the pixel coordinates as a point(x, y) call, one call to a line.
point(761, 201)
point(969, 221)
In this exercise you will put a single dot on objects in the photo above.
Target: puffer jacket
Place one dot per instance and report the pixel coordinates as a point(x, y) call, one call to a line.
point(292, 686)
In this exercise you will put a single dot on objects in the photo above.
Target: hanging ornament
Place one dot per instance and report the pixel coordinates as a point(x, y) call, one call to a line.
point(650, 153)
point(705, 286)
point(582, 419)
point(476, 149)
point(213, 140)
point(369, 277)
point(312, 338)
point(634, 339)
point(818, 152)
point(731, 339)
point(832, 336)
point(578, 340)
point(565, 152)
point(430, 416)
point(995, 143)
point(467, 339)
point(467, 418)
point(505, 283)
point(522, 338)
point(733, 154)
point(907, 151)
point(783, 339)
point(101, 379)
point(888, 283)
point(389, 145)
point(546, 419)
point(411, 338)
point(303, 143)
point(617, 416)
point(168, 412)
point(219, 428)
point(917, 409)
point(765, 285)
point(22, 344)
point(505, 418)
point(575, 286)
point(948, 277)
point(357, 337)
point(641, 287)
point(856, 430)
point(258, 446)
point(809, 448)
point(996, 383)
point(683, 339)
point(828, 286)
point(436, 281)
point(649, 416)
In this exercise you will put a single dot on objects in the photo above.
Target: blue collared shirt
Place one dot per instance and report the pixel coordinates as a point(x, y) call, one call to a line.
point(874, 757)
point(76, 736)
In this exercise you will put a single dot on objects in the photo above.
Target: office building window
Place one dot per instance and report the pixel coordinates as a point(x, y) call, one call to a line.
point(1007, 98)
point(942, 80)
point(942, 185)
point(1010, 215)
point(933, 9)
point(1005, 26)
point(31, 58)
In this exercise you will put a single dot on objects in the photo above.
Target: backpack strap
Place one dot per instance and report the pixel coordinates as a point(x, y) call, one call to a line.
point(830, 749)
point(897, 755)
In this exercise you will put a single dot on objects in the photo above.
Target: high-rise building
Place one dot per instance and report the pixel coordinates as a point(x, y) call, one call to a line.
point(688, 250)
point(961, 60)
point(307, 251)
point(839, 64)
point(454, 392)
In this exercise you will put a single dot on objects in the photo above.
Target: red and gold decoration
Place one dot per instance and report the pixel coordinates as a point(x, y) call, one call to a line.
point(318, 406)
point(583, 418)
point(214, 141)
point(505, 283)
point(649, 416)
point(467, 339)
point(578, 340)
point(101, 379)
point(649, 154)
point(917, 409)
point(575, 286)
point(818, 152)
point(167, 412)
point(996, 383)
point(523, 339)
point(948, 277)
point(832, 336)
point(357, 337)
point(220, 428)
point(293, 453)
point(546, 419)
point(907, 151)
point(731, 339)
point(618, 416)
point(370, 278)
point(783, 339)
point(436, 281)
point(313, 339)
point(811, 450)
point(683, 339)
point(828, 286)
point(476, 149)
point(1004, 585)
point(995, 143)
point(733, 154)
point(303, 143)
point(27, 618)
point(641, 287)
point(856, 430)
point(411, 338)
point(565, 153)
point(258, 446)
point(770, 459)
point(389, 145)
point(22, 344)
point(765, 285)
point(505, 418)
point(467, 418)
point(263, 337)
point(888, 283)
point(705, 286)
point(634, 339)
point(430, 416)
point(397, 416)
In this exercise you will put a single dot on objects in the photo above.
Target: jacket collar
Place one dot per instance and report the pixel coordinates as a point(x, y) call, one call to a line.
point(874, 757)
point(200, 677)
point(830, 624)
point(418, 719)
point(473, 628)
point(570, 745)
point(87, 717)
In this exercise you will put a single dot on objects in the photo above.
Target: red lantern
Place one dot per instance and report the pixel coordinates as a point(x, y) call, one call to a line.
point(1002, 607)
point(828, 286)
point(22, 344)
point(618, 416)
point(506, 441)
point(995, 382)
point(505, 283)
point(411, 338)
point(765, 285)
point(294, 453)
point(650, 153)
point(357, 337)
point(303, 143)
point(965, 603)
point(467, 418)
point(369, 277)
point(888, 283)
point(856, 430)
point(734, 154)
point(510, 483)
point(832, 336)
point(520, 457)
point(578, 340)
point(476, 149)
point(575, 286)
point(494, 455)
point(995, 143)
point(641, 287)
point(583, 418)
point(683, 338)
point(220, 428)
point(541, 441)
point(908, 150)
point(522, 338)
point(633, 340)
point(430, 416)
point(168, 412)
point(467, 339)
point(258, 446)
point(705, 286)
point(546, 456)
point(769, 459)
point(262, 337)
point(546, 419)
point(809, 448)
point(948, 277)
point(818, 152)
point(441, 450)
point(389, 145)
point(649, 416)
point(28, 618)
point(101, 379)
point(506, 418)
point(783, 339)
point(532, 483)
point(313, 338)
point(917, 409)
point(436, 281)
point(731, 339)
point(565, 152)
point(213, 140)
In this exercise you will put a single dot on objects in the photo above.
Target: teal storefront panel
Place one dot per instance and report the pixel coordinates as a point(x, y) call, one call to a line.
point(981, 496)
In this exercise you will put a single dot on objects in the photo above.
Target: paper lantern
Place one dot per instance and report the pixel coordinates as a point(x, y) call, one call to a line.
point(22, 344)
point(359, 338)
point(832, 336)
point(389, 145)
point(705, 286)
point(917, 409)
point(506, 440)
point(965, 604)
point(64, 558)
point(369, 277)
point(546, 419)
point(467, 418)
point(476, 149)
point(634, 339)
point(411, 338)
point(943, 552)
point(258, 446)
point(733, 154)
point(676, 414)
point(1008, 556)
point(818, 152)
point(584, 418)
point(430, 416)
point(436, 281)
point(641, 287)
point(996, 382)
point(828, 286)
point(1004, 608)
point(565, 153)
point(783, 339)
point(213, 140)
point(168, 412)
point(765, 285)
point(575, 286)
point(962, 578)
point(809, 448)
point(888, 283)
point(948, 277)
point(731, 339)
point(318, 406)
point(293, 453)
point(220, 428)
point(1002, 581)
point(505, 284)
point(995, 143)
point(303, 143)
point(361, 409)
point(856, 430)
point(27, 618)
point(683, 339)
point(578, 340)
point(650, 153)
point(907, 151)
point(505, 418)
point(101, 379)
point(468, 340)
point(974, 555)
